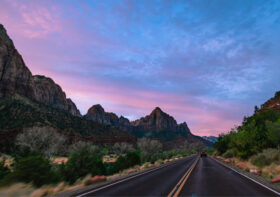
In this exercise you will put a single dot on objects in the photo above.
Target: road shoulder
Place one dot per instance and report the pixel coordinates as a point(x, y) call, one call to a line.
point(115, 180)
point(256, 178)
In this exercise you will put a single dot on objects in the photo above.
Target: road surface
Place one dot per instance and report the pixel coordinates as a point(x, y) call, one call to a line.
point(191, 176)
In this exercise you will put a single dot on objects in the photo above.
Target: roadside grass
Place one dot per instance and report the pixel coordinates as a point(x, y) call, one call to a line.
point(24, 189)
point(268, 161)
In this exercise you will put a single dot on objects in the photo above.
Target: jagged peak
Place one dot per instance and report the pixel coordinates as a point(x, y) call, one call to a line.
point(96, 107)
point(4, 36)
point(157, 110)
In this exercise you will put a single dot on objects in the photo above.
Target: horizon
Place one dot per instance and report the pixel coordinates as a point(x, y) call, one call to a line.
point(206, 63)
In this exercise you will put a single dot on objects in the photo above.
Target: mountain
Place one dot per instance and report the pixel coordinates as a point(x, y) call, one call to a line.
point(211, 139)
point(16, 78)
point(97, 114)
point(157, 124)
point(18, 113)
point(28, 101)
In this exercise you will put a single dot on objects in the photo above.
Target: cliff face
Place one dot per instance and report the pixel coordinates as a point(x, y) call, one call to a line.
point(16, 78)
point(97, 114)
point(156, 125)
point(159, 121)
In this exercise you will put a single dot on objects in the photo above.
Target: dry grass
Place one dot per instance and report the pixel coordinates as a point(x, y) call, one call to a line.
point(271, 171)
point(25, 190)
point(8, 159)
point(60, 160)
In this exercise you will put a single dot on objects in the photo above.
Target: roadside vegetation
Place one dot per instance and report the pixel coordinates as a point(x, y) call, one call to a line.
point(257, 140)
point(42, 157)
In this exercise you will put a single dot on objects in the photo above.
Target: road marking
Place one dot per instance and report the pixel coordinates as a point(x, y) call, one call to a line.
point(278, 193)
point(178, 187)
point(122, 180)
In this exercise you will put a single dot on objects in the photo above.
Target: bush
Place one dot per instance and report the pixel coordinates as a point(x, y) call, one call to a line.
point(129, 160)
point(133, 158)
point(229, 153)
point(34, 169)
point(81, 163)
point(45, 140)
point(81, 144)
point(4, 170)
point(149, 148)
point(266, 157)
point(122, 148)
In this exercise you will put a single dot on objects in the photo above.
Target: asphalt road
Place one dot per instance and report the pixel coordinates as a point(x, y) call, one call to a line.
point(206, 178)
point(209, 178)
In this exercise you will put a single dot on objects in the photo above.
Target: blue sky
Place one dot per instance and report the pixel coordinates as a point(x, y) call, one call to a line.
point(204, 62)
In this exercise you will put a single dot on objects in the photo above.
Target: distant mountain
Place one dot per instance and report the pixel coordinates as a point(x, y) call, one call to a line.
point(212, 139)
point(16, 78)
point(97, 114)
point(157, 124)
point(27, 101)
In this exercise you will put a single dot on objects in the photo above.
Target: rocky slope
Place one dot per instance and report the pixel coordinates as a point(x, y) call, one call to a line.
point(159, 121)
point(18, 112)
point(273, 103)
point(97, 114)
point(16, 78)
point(157, 124)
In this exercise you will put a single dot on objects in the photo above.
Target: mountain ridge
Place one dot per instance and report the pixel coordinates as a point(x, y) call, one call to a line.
point(16, 78)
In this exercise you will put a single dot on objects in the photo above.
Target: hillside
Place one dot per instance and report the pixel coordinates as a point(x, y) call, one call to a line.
point(16, 78)
point(256, 133)
point(18, 112)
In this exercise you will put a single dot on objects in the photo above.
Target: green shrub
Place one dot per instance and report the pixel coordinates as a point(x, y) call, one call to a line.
point(129, 160)
point(4, 170)
point(133, 159)
point(229, 153)
point(266, 157)
point(81, 163)
point(34, 169)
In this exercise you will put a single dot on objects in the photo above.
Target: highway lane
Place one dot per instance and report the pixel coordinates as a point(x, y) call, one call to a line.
point(156, 183)
point(210, 178)
point(184, 178)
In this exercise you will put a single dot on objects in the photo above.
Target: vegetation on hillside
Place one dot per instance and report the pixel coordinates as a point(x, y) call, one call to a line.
point(32, 160)
point(257, 133)
point(19, 112)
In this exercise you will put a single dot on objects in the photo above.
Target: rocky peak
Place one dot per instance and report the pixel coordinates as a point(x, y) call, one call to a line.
point(97, 114)
point(96, 109)
point(16, 78)
point(156, 121)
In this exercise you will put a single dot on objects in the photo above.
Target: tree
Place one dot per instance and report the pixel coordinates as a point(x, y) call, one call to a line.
point(149, 148)
point(122, 148)
point(34, 169)
point(93, 149)
point(256, 109)
point(44, 140)
point(81, 163)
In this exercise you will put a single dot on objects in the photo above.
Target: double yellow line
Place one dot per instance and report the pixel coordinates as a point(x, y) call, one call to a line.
point(176, 190)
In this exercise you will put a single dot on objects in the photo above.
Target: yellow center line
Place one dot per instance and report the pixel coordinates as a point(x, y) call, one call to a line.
point(176, 190)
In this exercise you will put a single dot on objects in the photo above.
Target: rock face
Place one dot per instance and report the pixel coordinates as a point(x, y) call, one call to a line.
point(16, 78)
point(273, 103)
point(157, 122)
point(97, 114)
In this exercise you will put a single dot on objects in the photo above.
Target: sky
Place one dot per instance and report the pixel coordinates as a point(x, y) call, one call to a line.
point(205, 62)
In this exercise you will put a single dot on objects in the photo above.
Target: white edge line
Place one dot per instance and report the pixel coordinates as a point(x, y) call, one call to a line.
point(125, 179)
point(248, 177)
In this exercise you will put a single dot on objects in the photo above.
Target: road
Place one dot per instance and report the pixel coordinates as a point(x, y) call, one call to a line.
point(184, 178)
